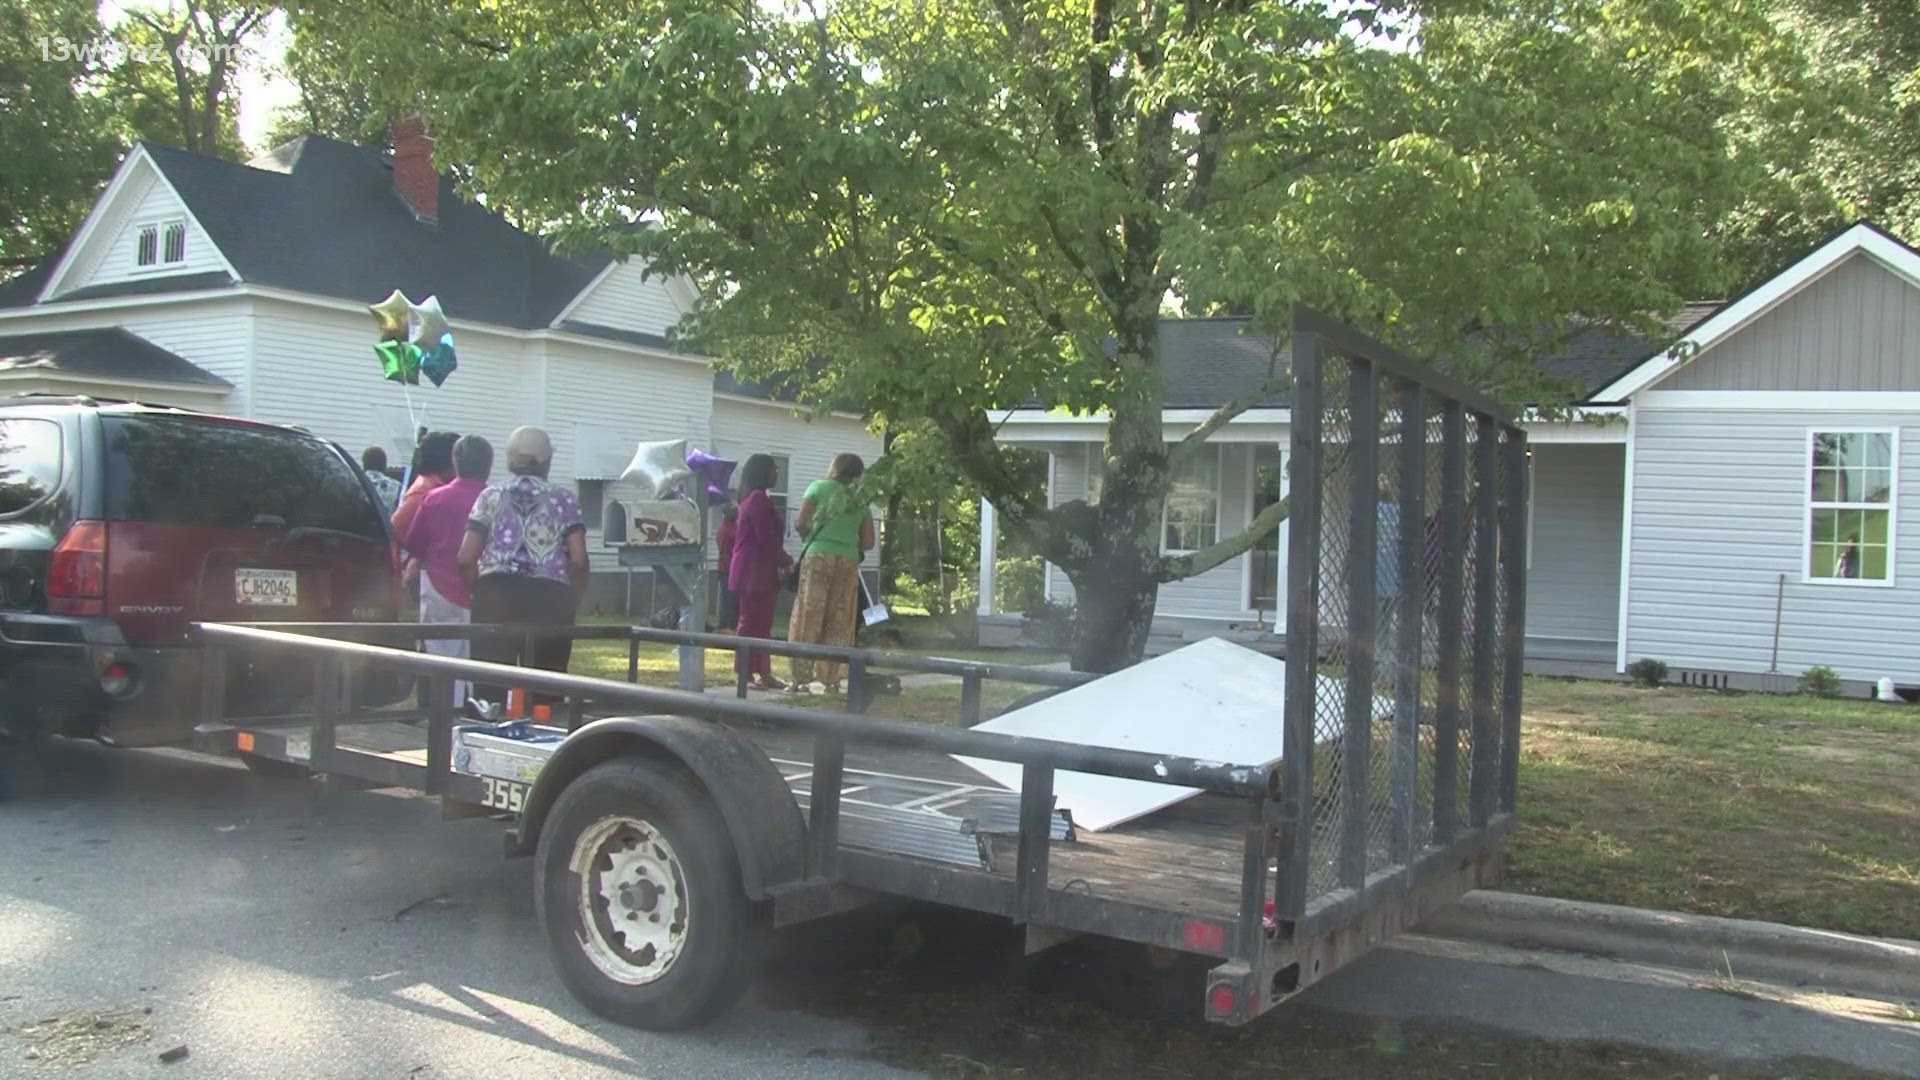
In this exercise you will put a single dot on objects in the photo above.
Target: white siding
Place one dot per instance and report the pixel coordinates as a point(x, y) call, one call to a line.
point(741, 428)
point(1573, 584)
point(1219, 594)
point(109, 254)
point(629, 299)
point(212, 334)
point(615, 401)
point(1719, 498)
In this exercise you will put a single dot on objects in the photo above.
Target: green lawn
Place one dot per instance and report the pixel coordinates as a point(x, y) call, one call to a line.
point(1785, 808)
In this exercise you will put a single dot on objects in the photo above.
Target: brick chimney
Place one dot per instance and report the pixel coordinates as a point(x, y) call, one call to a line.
point(413, 175)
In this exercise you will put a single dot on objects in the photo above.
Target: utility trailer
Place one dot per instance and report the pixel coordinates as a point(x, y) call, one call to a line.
point(664, 831)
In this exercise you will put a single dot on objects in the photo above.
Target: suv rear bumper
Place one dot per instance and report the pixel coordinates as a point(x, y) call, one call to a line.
point(53, 668)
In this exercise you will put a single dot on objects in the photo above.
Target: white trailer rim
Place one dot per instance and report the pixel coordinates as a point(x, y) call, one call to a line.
point(633, 900)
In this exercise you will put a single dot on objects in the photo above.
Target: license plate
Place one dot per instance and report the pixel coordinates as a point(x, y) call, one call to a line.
point(272, 588)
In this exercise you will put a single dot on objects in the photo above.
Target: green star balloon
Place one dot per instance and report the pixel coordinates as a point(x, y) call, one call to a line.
point(399, 361)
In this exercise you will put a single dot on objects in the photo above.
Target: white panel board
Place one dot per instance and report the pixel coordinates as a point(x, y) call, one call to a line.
point(1212, 700)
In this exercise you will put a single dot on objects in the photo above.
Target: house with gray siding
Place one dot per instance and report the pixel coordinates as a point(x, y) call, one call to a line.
point(1740, 500)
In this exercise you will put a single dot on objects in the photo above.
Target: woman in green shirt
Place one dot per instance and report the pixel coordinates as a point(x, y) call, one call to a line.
point(836, 531)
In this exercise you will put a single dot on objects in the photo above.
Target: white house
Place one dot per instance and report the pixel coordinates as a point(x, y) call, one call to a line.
point(1743, 504)
point(242, 289)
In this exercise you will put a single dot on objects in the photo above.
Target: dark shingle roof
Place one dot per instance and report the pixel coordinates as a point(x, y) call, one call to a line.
point(109, 353)
point(1597, 356)
point(320, 216)
point(1209, 362)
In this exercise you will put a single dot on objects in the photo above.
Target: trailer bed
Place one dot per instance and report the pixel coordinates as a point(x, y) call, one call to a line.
point(1184, 859)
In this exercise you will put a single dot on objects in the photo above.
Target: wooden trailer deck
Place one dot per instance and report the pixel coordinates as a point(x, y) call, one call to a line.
point(1185, 858)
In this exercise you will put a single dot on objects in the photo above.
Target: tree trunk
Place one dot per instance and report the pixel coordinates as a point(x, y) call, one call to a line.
point(1113, 612)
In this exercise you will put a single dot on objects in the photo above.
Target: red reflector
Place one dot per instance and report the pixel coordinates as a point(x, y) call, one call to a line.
point(77, 574)
point(1223, 1001)
point(1205, 936)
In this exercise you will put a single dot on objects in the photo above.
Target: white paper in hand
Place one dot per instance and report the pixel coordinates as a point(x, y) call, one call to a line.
point(658, 466)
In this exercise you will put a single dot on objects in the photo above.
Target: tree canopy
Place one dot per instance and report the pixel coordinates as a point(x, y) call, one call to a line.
point(945, 212)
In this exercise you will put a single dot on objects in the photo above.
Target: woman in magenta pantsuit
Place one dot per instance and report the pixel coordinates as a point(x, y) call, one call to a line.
point(759, 560)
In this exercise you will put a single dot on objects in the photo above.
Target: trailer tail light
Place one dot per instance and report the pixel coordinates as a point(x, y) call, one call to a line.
point(77, 574)
point(1222, 1000)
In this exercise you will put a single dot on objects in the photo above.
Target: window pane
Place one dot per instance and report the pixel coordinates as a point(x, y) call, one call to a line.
point(1876, 485)
point(1879, 450)
point(1193, 502)
point(1265, 577)
point(1826, 485)
point(193, 472)
point(29, 462)
point(1850, 545)
point(147, 252)
point(176, 242)
point(1873, 563)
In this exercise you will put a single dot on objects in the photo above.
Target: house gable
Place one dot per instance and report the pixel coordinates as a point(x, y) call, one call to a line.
point(107, 248)
point(1860, 241)
point(625, 296)
point(1854, 328)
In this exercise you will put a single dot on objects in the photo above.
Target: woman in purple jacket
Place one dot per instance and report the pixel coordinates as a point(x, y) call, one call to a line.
point(759, 559)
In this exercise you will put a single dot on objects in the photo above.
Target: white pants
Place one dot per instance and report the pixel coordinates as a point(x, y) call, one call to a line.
point(435, 608)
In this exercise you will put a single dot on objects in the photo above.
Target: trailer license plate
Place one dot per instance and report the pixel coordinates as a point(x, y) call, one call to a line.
point(505, 794)
point(274, 588)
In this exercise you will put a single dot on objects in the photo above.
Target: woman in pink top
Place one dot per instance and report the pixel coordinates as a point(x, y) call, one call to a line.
point(432, 467)
point(433, 539)
point(759, 558)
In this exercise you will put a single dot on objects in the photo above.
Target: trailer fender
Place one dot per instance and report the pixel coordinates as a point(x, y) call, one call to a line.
point(754, 800)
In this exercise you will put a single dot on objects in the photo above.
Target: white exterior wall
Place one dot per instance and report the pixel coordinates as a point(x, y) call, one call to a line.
point(1219, 594)
point(627, 298)
point(741, 428)
point(1573, 575)
point(1719, 502)
point(214, 334)
point(109, 252)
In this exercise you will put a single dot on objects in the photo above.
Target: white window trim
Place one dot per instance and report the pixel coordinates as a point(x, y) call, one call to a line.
point(1892, 508)
point(159, 225)
point(1219, 504)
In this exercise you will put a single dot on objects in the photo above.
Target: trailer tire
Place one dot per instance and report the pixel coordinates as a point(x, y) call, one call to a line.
point(638, 887)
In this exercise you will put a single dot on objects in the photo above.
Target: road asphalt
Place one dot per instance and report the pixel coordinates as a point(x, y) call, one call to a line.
point(275, 928)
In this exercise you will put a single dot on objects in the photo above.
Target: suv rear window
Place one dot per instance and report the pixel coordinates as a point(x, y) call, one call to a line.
point(176, 471)
point(29, 463)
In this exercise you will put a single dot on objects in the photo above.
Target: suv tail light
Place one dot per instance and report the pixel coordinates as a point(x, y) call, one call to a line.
point(77, 576)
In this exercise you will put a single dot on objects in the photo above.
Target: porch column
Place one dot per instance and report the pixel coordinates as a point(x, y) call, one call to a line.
point(989, 546)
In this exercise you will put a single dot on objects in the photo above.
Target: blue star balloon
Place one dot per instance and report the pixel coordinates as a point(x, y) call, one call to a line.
point(438, 362)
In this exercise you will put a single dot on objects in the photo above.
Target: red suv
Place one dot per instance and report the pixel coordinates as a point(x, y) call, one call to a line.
point(122, 524)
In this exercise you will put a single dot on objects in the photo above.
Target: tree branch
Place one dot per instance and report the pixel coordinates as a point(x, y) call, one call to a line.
point(1177, 567)
point(1224, 415)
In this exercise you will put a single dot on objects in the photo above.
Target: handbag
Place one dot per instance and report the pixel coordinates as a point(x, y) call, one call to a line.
point(792, 581)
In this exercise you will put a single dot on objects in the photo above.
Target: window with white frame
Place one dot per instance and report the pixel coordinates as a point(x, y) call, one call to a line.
point(160, 243)
point(1193, 502)
point(1850, 506)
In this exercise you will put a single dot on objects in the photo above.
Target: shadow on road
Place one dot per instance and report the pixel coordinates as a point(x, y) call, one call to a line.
point(364, 908)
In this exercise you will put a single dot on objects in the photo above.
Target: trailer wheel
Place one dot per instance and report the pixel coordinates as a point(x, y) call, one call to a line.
point(639, 891)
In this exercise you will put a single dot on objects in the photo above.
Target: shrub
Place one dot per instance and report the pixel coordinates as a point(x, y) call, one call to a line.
point(1050, 625)
point(1648, 672)
point(1820, 681)
point(1020, 582)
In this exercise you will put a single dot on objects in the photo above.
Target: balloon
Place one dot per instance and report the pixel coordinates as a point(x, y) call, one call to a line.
point(392, 314)
point(428, 324)
point(714, 470)
point(658, 466)
point(399, 361)
point(438, 362)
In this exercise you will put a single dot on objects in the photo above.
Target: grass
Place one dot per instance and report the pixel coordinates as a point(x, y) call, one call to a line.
point(1789, 809)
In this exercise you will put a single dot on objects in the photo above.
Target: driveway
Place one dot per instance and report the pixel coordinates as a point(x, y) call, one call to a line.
point(158, 899)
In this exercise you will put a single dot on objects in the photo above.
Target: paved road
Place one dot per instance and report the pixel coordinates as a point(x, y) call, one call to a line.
point(271, 926)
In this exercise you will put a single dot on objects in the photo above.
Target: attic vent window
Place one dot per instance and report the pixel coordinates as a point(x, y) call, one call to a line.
point(159, 244)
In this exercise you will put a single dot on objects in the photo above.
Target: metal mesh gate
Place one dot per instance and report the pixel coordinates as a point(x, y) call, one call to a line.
point(1404, 624)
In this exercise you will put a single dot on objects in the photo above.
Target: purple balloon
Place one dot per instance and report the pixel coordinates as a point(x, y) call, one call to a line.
point(716, 471)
